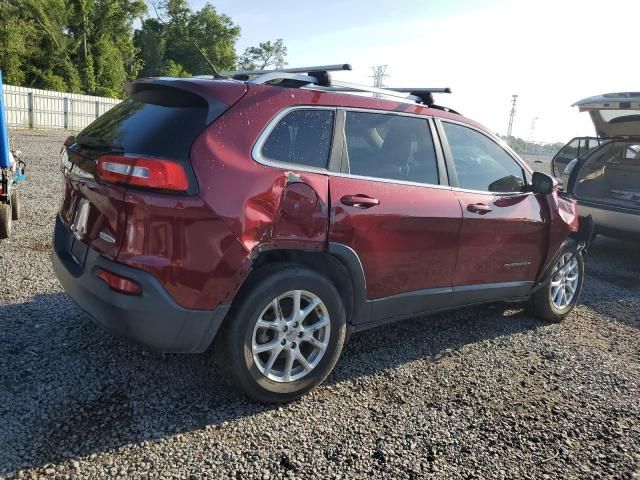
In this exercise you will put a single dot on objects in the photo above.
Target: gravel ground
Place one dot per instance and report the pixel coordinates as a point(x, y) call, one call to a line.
point(479, 393)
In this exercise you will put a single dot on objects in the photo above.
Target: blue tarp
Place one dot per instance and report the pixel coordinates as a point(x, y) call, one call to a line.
point(5, 161)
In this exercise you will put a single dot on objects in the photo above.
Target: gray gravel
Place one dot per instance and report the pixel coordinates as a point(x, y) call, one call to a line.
point(480, 393)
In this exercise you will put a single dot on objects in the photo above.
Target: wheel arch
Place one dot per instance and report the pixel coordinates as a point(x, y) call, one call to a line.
point(339, 263)
point(571, 244)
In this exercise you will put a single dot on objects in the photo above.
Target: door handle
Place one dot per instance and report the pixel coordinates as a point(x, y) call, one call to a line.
point(479, 208)
point(359, 201)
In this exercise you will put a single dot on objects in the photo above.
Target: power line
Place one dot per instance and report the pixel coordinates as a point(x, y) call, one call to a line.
point(379, 75)
point(514, 100)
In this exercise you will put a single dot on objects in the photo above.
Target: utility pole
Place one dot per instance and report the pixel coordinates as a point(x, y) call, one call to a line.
point(379, 75)
point(514, 100)
point(531, 130)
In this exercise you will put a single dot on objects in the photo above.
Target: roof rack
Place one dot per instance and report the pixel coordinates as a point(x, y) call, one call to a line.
point(318, 78)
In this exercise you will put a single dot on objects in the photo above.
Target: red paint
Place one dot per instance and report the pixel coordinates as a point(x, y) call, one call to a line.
point(415, 237)
point(407, 242)
point(183, 244)
point(107, 212)
point(505, 244)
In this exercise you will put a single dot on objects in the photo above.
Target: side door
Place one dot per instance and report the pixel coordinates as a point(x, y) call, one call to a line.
point(393, 207)
point(567, 153)
point(504, 229)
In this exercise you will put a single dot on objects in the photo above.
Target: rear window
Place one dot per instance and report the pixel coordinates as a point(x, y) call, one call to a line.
point(619, 116)
point(302, 137)
point(160, 121)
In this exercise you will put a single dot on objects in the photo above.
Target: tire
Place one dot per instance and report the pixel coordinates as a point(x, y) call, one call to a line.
point(5, 221)
point(547, 303)
point(16, 209)
point(240, 338)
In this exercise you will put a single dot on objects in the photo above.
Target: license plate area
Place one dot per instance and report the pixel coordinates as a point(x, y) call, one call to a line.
point(78, 251)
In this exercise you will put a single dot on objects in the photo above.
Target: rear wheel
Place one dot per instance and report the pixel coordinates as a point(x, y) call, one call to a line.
point(15, 205)
point(5, 221)
point(284, 334)
point(559, 296)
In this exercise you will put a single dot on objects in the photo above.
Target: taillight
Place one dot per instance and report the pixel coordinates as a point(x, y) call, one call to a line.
point(143, 172)
point(119, 283)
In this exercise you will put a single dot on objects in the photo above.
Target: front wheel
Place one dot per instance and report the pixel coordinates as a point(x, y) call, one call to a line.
point(559, 296)
point(284, 334)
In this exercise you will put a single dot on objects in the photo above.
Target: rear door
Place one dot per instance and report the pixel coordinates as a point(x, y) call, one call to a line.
point(156, 121)
point(503, 234)
point(394, 209)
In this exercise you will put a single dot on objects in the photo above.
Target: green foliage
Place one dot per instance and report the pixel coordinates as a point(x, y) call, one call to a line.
point(89, 46)
point(70, 45)
point(267, 54)
point(173, 69)
point(179, 37)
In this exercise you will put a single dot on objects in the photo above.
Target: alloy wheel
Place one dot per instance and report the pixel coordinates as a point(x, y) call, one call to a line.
point(291, 336)
point(564, 282)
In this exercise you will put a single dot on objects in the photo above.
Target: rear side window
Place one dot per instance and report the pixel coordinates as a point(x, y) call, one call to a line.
point(481, 164)
point(161, 122)
point(393, 147)
point(302, 137)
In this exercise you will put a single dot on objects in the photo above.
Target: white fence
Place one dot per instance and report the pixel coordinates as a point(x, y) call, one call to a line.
point(34, 108)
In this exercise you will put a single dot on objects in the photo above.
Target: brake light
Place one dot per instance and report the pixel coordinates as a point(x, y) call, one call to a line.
point(119, 283)
point(143, 172)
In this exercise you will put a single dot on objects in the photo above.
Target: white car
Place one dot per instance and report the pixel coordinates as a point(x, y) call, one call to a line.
point(606, 179)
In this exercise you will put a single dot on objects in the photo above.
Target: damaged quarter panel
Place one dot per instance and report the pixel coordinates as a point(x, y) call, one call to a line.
point(265, 207)
point(184, 245)
point(563, 216)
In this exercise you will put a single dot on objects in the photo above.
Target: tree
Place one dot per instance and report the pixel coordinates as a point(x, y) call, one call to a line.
point(83, 46)
point(266, 54)
point(182, 42)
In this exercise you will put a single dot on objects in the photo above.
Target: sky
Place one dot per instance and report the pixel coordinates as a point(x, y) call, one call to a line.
point(550, 53)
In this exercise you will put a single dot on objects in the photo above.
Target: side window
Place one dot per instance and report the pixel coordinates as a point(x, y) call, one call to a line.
point(390, 146)
point(302, 137)
point(570, 150)
point(632, 152)
point(481, 164)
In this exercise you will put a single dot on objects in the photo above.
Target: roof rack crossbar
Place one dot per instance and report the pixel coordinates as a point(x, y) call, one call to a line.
point(422, 90)
point(320, 68)
point(340, 86)
point(318, 77)
point(277, 75)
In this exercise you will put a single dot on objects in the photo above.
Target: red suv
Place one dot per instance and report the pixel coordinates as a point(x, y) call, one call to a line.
point(273, 215)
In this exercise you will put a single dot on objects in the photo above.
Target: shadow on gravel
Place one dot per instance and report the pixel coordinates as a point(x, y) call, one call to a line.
point(68, 390)
point(615, 265)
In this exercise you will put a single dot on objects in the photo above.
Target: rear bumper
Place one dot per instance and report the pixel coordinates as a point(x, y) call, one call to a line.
point(610, 222)
point(152, 319)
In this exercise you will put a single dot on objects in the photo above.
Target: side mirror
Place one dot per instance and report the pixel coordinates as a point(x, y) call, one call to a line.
point(542, 183)
point(510, 183)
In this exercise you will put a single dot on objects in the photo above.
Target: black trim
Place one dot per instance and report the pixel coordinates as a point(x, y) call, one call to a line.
point(448, 156)
point(431, 300)
point(337, 145)
point(351, 261)
point(443, 177)
point(152, 319)
point(569, 245)
point(370, 313)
